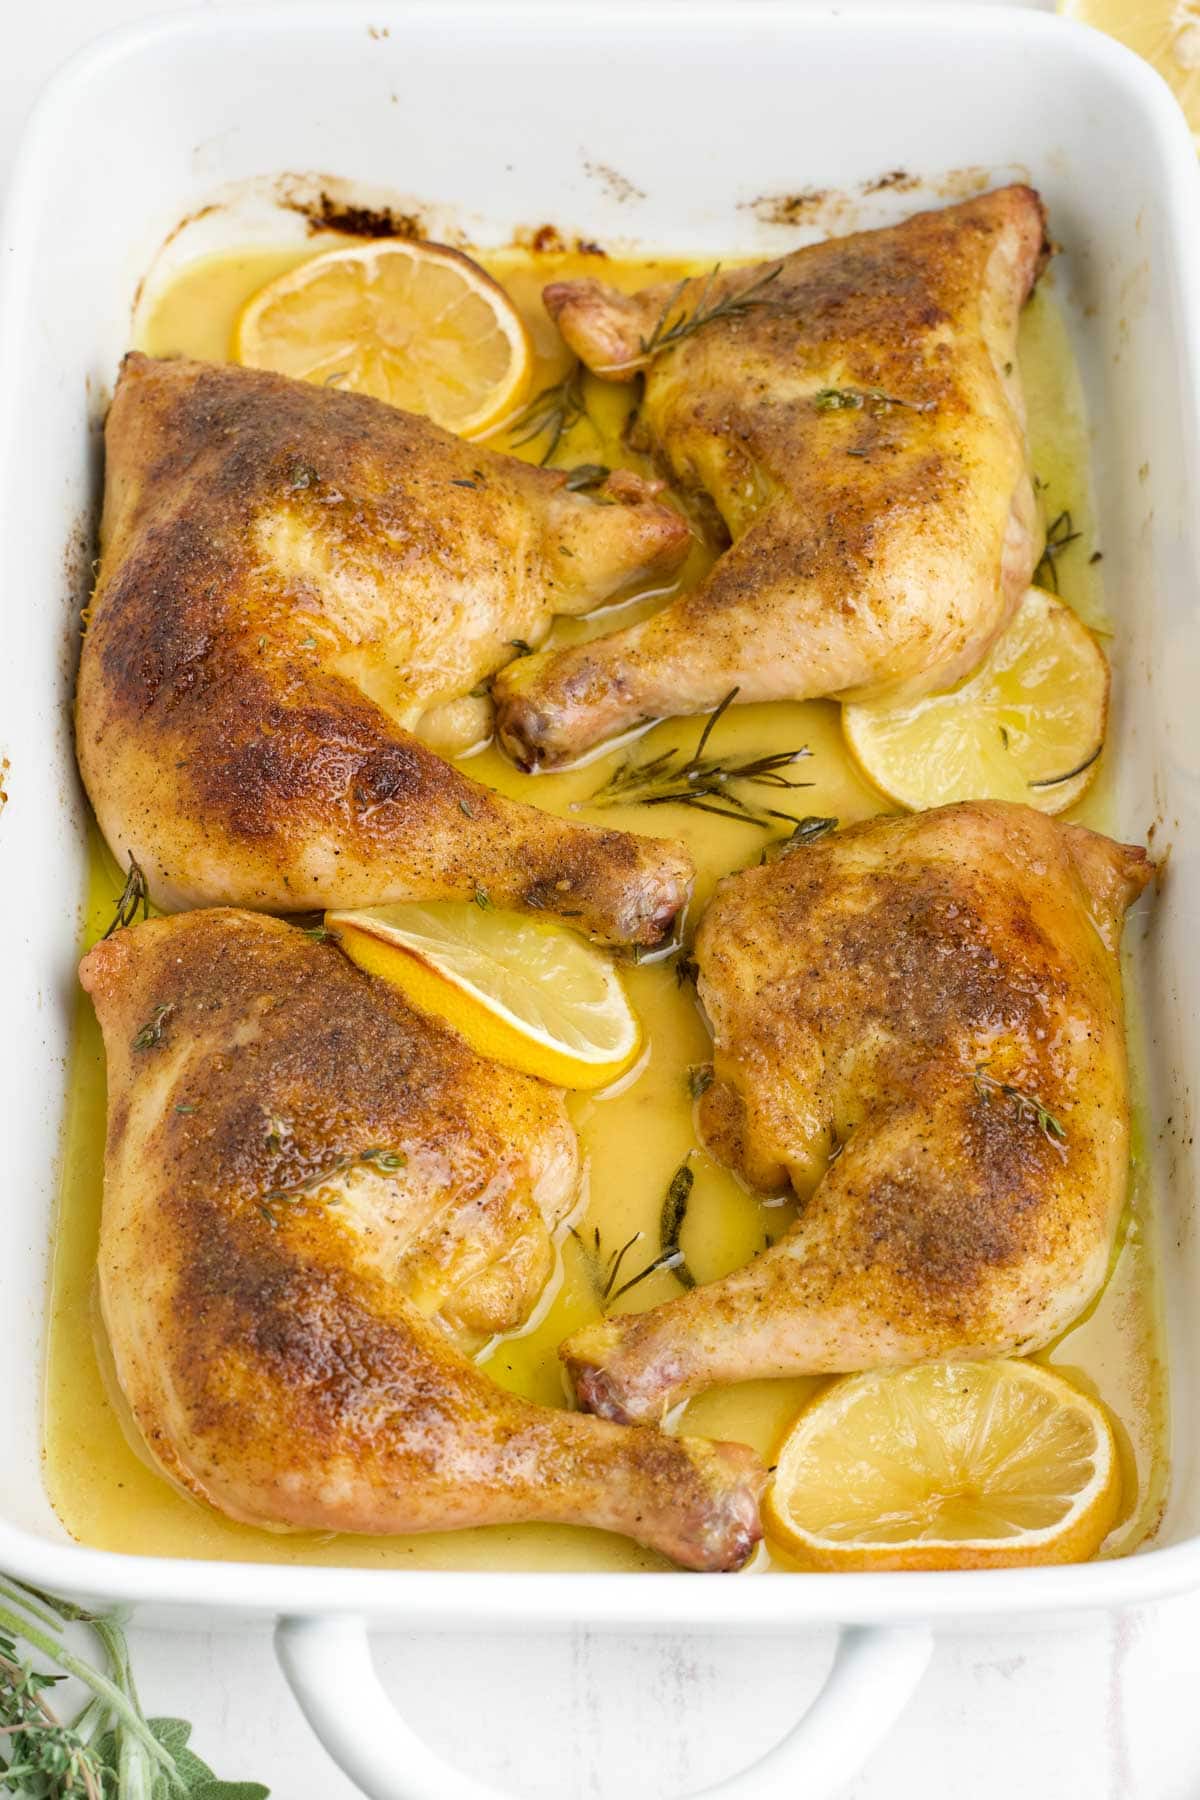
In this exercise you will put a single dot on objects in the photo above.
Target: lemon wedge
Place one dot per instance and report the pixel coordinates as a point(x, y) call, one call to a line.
point(417, 325)
point(534, 996)
point(1165, 32)
point(1028, 725)
point(946, 1466)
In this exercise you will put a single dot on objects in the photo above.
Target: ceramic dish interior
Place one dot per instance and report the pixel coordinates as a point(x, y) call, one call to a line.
point(222, 133)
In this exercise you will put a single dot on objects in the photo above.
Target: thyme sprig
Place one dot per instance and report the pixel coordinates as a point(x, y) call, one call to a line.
point(703, 782)
point(1059, 533)
point(109, 1750)
point(556, 409)
point(376, 1157)
point(152, 1031)
point(855, 399)
point(1028, 1106)
point(133, 895)
point(670, 331)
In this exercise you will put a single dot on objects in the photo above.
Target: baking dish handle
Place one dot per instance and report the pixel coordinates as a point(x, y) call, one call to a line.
point(327, 1661)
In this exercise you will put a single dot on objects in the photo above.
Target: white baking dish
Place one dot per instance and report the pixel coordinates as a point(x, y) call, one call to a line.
point(509, 117)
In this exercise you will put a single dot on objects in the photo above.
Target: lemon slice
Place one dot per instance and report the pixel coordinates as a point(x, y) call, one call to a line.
point(417, 325)
point(529, 994)
point(1165, 32)
point(946, 1466)
point(1028, 725)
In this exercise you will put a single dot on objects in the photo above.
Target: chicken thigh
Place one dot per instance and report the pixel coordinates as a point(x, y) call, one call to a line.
point(917, 1024)
point(854, 415)
point(315, 1201)
point(291, 579)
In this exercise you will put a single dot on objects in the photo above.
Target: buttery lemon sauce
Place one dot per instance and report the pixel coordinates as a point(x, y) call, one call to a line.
point(635, 1135)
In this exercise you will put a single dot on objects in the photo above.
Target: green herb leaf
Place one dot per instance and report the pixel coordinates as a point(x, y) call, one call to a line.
point(133, 895)
point(1059, 533)
point(152, 1031)
point(699, 1079)
point(109, 1750)
point(586, 475)
point(873, 399)
point(1028, 1106)
point(807, 832)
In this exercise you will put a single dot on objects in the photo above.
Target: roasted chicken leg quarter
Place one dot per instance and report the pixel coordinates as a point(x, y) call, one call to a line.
point(316, 1200)
point(852, 418)
point(292, 579)
point(917, 1025)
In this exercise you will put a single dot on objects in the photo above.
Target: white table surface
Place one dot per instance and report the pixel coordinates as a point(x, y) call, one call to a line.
point(1106, 1709)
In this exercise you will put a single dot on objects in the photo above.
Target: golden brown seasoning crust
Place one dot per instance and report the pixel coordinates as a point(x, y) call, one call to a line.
point(917, 1026)
point(316, 1199)
point(859, 429)
point(292, 580)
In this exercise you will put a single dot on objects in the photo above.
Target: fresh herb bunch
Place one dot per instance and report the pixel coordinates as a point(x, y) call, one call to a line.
point(110, 1750)
point(701, 782)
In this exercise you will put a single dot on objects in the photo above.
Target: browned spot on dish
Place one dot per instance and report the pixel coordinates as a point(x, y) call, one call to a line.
point(898, 179)
point(618, 185)
point(325, 212)
point(787, 209)
point(548, 240)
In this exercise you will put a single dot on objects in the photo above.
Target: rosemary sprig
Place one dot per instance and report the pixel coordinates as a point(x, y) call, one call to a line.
point(670, 331)
point(701, 782)
point(133, 895)
point(109, 1750)
point(1059, 533)
point(614, 1265)
point(556, 409)
point(1028, 1106)
point(854, 399)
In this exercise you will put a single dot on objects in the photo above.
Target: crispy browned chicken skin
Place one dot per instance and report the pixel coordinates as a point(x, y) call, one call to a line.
point(314, 1198)
point(290, 579)
point(859, 430)
point(917, 1024)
